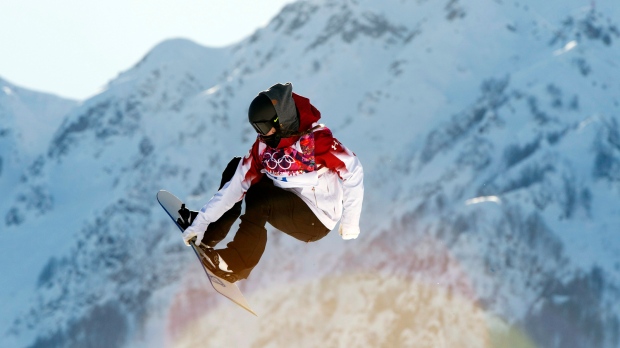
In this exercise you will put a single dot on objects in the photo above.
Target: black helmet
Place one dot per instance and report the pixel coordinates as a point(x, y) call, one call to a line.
point(262, 115)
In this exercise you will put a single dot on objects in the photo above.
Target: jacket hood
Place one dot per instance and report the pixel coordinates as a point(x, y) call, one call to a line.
point(295, 112)
point(308, 114)
point(281, 96)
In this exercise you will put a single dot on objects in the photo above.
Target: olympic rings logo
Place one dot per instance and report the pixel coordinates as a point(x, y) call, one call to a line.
point(285, 162)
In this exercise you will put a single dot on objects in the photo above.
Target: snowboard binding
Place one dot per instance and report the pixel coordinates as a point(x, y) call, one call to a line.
point(187, 217)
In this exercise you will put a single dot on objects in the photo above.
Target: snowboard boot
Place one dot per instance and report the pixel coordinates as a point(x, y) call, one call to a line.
point(215, 263)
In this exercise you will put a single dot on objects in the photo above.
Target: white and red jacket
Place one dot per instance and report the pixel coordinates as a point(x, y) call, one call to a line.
point(315, 166)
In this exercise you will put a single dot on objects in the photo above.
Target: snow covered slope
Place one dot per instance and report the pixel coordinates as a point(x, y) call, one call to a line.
point(490, 140)
point(27, 122)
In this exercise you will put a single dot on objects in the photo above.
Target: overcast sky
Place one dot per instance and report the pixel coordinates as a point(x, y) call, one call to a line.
point(72, 48)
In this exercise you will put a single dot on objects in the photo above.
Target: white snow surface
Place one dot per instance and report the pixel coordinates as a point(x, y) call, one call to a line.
point(490, 139)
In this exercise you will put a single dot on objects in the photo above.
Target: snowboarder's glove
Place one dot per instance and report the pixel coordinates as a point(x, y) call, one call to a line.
point(196, 230)
point(187, 217)
point(348, 232)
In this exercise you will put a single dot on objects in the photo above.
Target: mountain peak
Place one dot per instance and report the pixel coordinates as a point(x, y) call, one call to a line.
point(176, 57)
point(175, 51)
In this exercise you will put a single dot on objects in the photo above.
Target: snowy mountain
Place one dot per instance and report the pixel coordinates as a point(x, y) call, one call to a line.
point(27, 122)
point(490, 141)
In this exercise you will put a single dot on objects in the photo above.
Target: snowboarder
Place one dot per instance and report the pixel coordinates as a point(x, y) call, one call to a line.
point(297, 177)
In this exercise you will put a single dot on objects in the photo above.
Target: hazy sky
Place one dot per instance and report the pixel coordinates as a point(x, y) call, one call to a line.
point(72, 48)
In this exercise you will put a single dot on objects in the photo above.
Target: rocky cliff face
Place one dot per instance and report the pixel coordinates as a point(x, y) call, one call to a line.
point(489, 137)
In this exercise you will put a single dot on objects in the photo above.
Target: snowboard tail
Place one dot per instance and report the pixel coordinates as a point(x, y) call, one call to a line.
point(172, 205)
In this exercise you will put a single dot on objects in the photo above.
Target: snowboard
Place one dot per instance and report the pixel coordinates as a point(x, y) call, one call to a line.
point(172, 205)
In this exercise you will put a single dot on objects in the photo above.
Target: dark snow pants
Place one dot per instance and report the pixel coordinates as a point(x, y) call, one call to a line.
point(265, 203)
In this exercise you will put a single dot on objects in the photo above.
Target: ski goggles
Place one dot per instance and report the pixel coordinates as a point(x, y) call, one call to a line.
point(264, 127)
